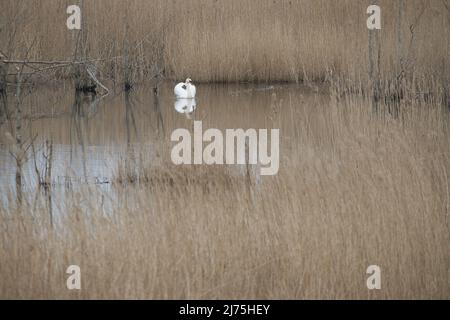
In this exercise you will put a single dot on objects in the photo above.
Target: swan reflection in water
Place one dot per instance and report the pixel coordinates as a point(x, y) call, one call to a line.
point(186, 106)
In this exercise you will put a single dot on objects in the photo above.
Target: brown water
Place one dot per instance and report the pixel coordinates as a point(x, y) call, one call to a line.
point(92, 135)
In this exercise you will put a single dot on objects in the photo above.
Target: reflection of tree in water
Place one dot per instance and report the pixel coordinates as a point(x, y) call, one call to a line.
point(76, 135)
point(84, 107)
point(130, 121)
point(157, 108)
point(3, 108)
point(130, 125)
point(154, 114)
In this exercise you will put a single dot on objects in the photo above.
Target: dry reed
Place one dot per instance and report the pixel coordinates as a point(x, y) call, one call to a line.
point(367, 189)
point(236, 40)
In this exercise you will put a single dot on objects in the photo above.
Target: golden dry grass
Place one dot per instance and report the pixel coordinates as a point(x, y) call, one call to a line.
point(368, 189)
point(236, 40)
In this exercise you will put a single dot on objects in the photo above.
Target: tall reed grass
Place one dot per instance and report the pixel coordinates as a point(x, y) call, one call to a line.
point(355, 188)
point(236, 40)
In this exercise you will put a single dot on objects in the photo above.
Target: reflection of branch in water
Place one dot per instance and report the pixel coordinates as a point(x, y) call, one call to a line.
point(94, 104)
point(4, 114)
point(156, 109)
point(91, 112)
point(130, 160)
point(159, 118)
point(129, 116)
point(76, 112)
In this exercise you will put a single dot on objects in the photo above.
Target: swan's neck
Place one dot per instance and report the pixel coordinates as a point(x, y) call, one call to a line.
point(188, 89)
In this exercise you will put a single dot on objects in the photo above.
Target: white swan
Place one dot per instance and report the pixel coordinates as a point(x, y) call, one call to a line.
point(185, 90)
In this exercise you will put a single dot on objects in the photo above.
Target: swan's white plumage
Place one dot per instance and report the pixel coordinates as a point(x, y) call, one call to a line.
point(185, 90)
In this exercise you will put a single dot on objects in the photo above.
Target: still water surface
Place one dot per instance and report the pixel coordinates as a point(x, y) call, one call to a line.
point(93, 135)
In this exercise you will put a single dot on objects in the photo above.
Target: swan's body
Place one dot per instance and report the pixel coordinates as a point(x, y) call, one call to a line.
point(185, 90)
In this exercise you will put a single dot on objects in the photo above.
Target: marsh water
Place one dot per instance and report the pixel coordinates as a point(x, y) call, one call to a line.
point(92, 135)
